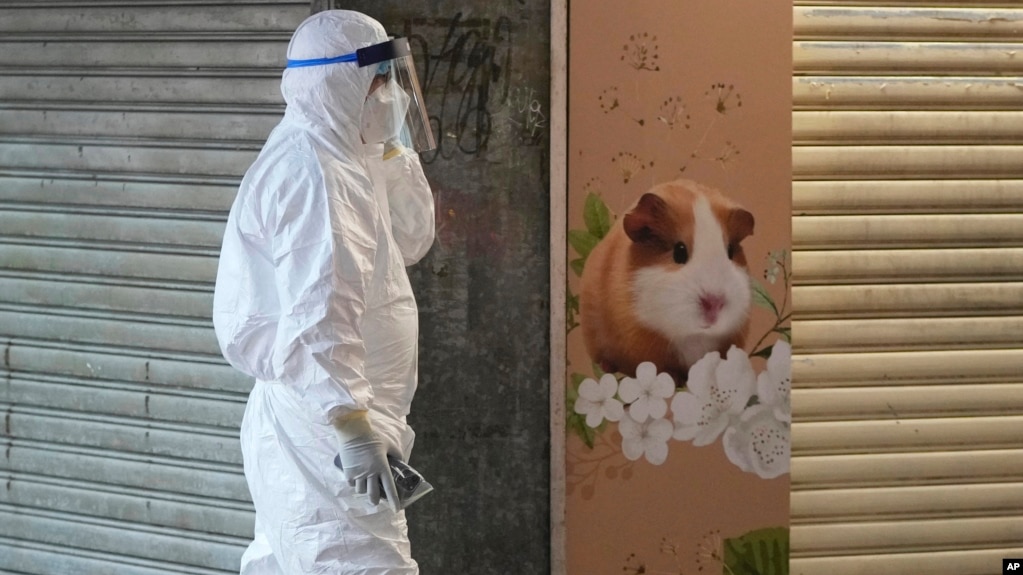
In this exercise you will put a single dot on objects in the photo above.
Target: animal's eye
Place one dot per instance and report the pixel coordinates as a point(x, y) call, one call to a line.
point(681, 254)
point(731, 251)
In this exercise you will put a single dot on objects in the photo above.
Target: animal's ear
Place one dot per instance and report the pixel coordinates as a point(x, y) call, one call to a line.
point(648, 222)
point(740, 225)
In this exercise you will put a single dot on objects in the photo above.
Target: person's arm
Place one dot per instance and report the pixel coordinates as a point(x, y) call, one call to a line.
point(323, 247)
point(411, 204)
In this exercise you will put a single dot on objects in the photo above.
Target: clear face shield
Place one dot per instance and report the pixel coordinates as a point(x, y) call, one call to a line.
point(395, 111)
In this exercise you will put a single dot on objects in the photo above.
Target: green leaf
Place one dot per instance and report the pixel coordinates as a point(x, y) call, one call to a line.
point(577, 265)
point(597, 216)
point(762, 298)
point(786, 332)
point(764, 353)
point(577, 380)
point(577, 424)
point(760, 552)
point(573, 302)
point(582, 241)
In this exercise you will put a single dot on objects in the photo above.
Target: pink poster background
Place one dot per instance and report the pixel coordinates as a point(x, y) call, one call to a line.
point(659, 90)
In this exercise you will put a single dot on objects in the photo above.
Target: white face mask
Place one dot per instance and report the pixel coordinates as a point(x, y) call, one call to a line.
point(384, 113)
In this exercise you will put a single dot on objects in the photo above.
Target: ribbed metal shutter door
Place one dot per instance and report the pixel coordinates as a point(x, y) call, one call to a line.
point(908, 234)
point(124, 130)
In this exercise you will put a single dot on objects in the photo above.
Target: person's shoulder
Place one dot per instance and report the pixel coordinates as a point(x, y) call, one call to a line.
point(294, 163)
point(288, 162)
point(295, 152)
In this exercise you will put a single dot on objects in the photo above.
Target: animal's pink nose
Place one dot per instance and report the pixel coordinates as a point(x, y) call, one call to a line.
point(710, 305)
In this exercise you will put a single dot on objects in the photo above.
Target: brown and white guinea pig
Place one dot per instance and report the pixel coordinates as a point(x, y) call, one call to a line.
point(668, 283)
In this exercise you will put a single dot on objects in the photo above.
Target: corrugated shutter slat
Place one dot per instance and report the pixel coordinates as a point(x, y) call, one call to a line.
point(114, 86)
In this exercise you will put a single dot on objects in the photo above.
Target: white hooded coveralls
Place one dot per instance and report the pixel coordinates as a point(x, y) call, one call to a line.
point(312, 299)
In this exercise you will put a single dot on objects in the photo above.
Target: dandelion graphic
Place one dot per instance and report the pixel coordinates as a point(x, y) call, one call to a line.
point(610, 102)
point(594, 185)
point(636, 566)
point(775, 265)
point(633, 566)
point(710, 551)
point(727, 154)
point(726, 96)
point(608, 99)
point(630, 165)
point(641, 52)
point(669, 548)
point(673, 113)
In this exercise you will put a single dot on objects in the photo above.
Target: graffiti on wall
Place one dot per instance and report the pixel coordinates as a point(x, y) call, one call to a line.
point(473, 95)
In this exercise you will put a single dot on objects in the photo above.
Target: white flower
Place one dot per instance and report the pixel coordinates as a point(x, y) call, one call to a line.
point(649, 439)
point(759, 443)
point(718, 391)
point(597, 400)
point(648, 393)
point(774, 384)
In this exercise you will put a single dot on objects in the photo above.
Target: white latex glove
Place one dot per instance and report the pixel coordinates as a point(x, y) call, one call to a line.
point(363, 454)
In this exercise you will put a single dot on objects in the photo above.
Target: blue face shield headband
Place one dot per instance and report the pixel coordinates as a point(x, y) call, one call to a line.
point(375, 54)
point(393, 59)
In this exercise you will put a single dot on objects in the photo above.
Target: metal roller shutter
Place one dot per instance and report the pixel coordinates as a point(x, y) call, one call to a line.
point(908, 257)
point(124, 130)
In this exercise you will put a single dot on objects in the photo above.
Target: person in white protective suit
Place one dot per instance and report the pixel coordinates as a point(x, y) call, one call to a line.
point(313, 301)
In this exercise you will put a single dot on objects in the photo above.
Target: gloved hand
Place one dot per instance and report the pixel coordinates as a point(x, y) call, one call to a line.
point(363, 454)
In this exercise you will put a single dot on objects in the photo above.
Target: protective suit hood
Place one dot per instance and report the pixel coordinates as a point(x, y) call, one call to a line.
point(331, 96)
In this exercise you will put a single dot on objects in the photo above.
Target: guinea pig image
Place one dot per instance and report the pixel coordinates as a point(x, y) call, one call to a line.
point(668, 283)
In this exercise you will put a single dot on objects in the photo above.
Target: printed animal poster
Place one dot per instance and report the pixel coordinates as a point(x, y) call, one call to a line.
point(678, 319)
